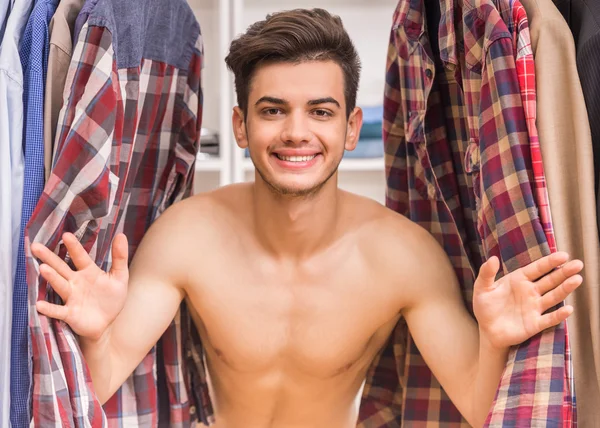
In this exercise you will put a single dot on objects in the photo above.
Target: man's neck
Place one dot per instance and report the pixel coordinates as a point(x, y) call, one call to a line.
point(296, 227)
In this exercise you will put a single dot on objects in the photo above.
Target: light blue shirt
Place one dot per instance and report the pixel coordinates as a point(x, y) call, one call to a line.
point(11, 183)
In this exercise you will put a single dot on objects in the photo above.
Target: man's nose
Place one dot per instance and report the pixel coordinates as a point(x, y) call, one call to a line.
point(296, 129)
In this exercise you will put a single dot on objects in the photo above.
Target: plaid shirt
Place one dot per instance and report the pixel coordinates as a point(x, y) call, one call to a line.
point(126, 148)
point(514, 16)
point(458, 162)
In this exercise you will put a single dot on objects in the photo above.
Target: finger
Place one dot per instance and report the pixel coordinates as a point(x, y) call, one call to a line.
point(554, 318)
point(51, 310)
point(80, 257)
point(58, 283)
point(560, 293)
point(488, 272)
point(559, 276)
point(46, 256)
point(119, 254)
point(541, 267)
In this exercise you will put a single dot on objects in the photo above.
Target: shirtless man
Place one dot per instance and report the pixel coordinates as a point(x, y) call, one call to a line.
point(295, 284)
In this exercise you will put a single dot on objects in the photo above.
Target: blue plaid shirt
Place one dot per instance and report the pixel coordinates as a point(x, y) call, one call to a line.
point(33, 52)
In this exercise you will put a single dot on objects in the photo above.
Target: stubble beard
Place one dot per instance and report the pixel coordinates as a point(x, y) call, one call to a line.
point(288, 192)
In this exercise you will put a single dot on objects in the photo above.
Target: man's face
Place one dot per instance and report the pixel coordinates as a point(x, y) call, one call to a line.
point(296, 128)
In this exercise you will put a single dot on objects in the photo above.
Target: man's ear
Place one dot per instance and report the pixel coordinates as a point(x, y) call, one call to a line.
point(239, 127)
point(353, 128)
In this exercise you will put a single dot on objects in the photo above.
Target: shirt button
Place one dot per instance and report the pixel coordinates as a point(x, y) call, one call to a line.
point(428, 73)
point(192, 410)
point(431, 191)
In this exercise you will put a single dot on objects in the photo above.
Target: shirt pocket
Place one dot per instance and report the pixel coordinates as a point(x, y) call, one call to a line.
point(423, 179)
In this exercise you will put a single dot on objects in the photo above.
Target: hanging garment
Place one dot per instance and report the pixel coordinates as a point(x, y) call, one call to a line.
point(83, 16)
point(11, 183)
point(5, 7)
point(458, 162)
point(583, 17)
point(34, 60)
point(127, 140)
point(60, 30)
point(514, 16)
point(567, 152)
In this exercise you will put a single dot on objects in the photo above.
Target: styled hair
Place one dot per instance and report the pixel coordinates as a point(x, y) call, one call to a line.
point(294, 36)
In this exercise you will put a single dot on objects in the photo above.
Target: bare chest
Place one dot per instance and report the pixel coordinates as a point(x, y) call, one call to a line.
point(319, 324)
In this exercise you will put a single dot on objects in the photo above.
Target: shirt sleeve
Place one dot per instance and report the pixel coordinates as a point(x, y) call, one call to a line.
point(77, 198)
point(394, 140)
point(509, 226)
point(507, 217)
point(181, 344)
point(181, 181)
point(382, 397)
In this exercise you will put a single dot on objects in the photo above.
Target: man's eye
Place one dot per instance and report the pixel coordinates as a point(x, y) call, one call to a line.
point(322, 113)
point(272, 111)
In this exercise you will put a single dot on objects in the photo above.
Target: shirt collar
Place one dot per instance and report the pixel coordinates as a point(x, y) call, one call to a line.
point(410, 15)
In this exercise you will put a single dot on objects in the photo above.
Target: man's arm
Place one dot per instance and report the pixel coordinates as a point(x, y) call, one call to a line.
point(118, 327)
point(466, 357)
point(156, 281)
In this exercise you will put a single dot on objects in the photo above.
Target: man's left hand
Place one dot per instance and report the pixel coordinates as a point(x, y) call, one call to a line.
point(513, 309)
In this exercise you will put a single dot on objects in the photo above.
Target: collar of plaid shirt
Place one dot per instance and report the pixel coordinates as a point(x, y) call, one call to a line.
point(458, 163)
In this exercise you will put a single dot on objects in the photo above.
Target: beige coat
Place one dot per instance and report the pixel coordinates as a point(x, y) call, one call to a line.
point(60, 52)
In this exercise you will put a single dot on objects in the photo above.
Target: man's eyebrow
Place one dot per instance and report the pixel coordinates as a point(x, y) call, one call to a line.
point(323, 101)
point(272, 100)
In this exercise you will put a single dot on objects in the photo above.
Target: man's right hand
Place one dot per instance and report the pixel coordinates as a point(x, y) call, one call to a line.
point(92, 297)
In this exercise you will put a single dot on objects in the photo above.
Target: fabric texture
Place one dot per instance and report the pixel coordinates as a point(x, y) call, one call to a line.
point(126, 146)
point(583, 18)
point(82, 18)
point(34, 61)
point(458, 162)
point(61, 49)
point(566, 144)
point(11, 183)
point(514, 16)
point(5, 7)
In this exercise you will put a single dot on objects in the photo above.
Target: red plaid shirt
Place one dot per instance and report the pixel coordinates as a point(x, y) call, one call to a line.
point(458, 162)
point(127, 141)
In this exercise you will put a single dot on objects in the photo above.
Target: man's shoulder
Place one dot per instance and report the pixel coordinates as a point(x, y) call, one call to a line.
point(393, 241)
point(381, 226)
point(199, 224)
point(404, 257)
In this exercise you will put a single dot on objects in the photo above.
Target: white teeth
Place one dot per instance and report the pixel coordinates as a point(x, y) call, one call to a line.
point(296, 158)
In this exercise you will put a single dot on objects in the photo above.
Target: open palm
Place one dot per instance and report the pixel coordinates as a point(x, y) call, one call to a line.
point(514, 308)
point(93, 298)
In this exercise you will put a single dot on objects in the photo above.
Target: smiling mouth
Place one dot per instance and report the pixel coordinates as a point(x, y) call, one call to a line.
point(295, 158)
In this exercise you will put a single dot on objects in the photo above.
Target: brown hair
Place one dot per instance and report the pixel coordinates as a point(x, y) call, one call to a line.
point(294, 36)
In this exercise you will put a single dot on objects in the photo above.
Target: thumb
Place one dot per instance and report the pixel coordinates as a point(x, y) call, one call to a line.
point(487, 273)
point(120, 256)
